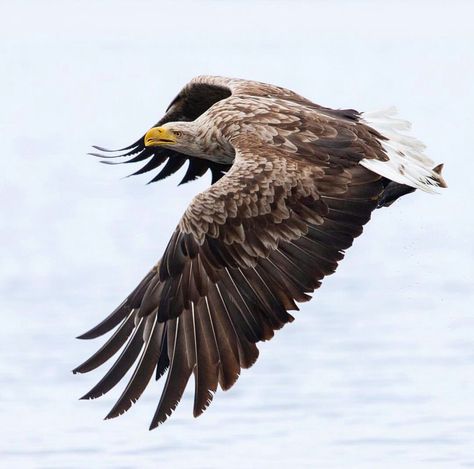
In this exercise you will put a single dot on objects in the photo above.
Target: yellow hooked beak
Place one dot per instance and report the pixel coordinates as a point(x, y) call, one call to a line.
point(159, 136)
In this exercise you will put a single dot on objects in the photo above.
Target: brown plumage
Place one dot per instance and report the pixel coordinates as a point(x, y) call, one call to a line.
point(293, 185)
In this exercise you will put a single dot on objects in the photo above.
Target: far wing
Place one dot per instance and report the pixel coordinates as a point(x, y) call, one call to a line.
point(194, 99)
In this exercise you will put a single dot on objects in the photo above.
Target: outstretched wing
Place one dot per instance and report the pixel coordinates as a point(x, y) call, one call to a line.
point(248, 248)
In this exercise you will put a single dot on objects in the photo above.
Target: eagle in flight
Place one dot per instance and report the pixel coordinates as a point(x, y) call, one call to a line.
point(293, 183)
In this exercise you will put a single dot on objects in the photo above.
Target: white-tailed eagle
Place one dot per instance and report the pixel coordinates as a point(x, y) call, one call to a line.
point(293, 183)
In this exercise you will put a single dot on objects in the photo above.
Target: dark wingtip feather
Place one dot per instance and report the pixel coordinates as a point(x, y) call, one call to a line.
point(140, 150)
point(137, 147)
point(196, 168)
point(84, 336)
point(110, 347)
point(201, 406)
point(100, 155)
point(117, 412)
point(143, 372)
point(112, 320)
point(87, 335)
point(121, 366)
point(171, 166)
point(163, 416)
point(109, 162)
point(108, 150)
point(153, 425)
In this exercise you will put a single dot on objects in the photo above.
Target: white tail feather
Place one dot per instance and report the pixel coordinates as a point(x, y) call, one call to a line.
point(406, 164)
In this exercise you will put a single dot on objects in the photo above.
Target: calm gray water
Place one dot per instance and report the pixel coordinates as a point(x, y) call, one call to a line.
point(376, 372)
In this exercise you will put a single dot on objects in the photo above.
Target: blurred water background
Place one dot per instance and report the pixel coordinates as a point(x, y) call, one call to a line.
point(376, 372)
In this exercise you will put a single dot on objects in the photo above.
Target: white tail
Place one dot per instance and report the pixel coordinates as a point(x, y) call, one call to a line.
point(406, 164)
